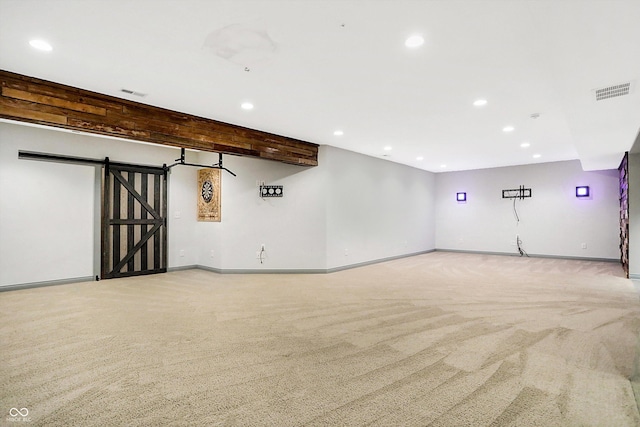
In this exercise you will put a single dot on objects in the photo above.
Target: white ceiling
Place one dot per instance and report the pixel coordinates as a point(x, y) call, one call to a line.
point(316, 66)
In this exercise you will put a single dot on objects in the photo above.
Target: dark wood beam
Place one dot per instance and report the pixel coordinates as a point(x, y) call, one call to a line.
point(32, 100)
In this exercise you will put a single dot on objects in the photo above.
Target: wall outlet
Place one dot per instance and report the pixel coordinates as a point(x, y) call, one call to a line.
point(584, 246)
point(181, 252)
point(177, 214)
point(211, 253)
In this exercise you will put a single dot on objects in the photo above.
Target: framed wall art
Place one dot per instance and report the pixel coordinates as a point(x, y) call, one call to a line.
point(209, 195)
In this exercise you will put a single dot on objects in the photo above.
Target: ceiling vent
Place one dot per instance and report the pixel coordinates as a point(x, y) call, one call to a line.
point(133, 92)
point(612, 91)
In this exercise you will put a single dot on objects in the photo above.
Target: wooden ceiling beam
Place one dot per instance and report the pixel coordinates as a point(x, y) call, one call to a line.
point(32, 100)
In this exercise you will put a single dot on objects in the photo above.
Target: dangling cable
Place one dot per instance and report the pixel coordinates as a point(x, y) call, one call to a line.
point(515, 211)
point(521, 251)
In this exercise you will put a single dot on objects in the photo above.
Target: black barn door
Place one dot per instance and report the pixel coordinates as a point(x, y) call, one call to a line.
point(134, 226)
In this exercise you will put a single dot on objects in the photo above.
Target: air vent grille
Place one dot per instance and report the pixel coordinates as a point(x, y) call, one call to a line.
point(133, 92)
point(612, 91)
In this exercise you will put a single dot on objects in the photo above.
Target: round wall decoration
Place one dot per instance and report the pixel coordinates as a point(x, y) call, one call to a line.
point(207, 191)
point(209, 198)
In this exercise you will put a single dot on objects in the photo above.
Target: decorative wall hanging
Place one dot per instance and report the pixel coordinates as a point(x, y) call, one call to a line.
point(209, 195)
point(271, 191)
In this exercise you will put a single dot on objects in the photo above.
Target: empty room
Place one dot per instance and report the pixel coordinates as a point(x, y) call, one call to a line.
point(319, 213)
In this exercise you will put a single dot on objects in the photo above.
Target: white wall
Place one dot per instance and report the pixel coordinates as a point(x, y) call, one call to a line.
point(183, 246)
point(553, 222)
point(48, 215)
point(351, 209)
point(634, 215)
point(375, 209)
point(292, 227)
point(49, 212)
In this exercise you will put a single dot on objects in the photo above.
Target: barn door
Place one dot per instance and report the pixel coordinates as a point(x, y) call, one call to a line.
point(134, 226)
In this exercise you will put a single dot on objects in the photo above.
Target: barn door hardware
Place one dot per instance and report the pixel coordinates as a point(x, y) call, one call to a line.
point(134, 214)
point(47, 157)
point(182, 162)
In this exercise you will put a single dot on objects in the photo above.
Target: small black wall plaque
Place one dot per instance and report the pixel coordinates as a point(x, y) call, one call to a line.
point(271, 191)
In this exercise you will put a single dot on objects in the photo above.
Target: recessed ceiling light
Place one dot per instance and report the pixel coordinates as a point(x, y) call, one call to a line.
point(246, 106)
point(420, 158)
point(443, 166)
point(525, 145)
point(338, 133)
point(414, 41)
point(41, 45)
point(480, 102)
point(387, 148)
point(508, 129)
point(537, 156)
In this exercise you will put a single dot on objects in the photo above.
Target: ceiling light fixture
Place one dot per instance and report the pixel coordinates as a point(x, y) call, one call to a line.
point(537, 156)
point(508, 129)
point(414, 41)
point(338, 133)
point(443, 166)
point(419, 158)
point(387, 148)
point(41, 45)
point(525, 145)
point(479, 102)
point(246, 106)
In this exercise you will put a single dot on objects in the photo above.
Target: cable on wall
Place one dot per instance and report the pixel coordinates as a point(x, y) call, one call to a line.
point(518, 240)
point(517, 193)
point(520, 250)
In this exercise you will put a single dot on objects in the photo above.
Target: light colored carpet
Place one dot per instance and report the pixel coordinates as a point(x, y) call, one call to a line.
point(442, 339)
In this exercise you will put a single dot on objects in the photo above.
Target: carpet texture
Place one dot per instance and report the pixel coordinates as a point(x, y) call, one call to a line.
point(442, 339)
